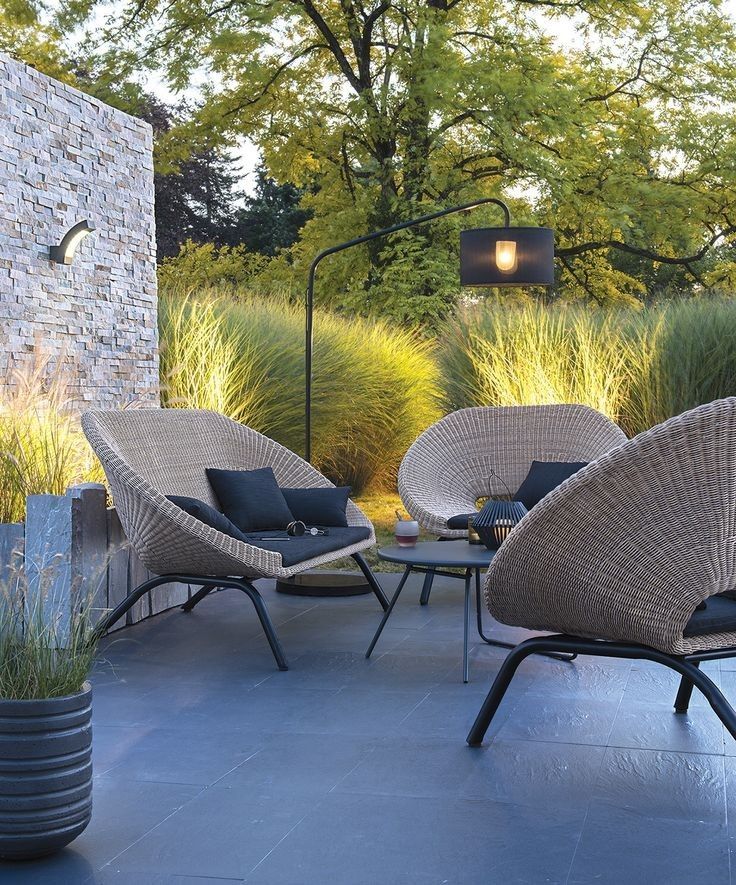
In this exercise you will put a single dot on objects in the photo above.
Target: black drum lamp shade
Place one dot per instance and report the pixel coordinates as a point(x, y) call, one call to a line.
point(507, 256)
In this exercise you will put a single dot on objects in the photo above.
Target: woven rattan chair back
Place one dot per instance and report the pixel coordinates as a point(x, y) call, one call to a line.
point(453, 462)
point(150, 453)
point(629, 546)
point(170, 449)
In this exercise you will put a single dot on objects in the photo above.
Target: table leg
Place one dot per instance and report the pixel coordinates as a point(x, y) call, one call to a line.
point(387, 613)
point(466, 666)
point(478, 610)
point(426, 587)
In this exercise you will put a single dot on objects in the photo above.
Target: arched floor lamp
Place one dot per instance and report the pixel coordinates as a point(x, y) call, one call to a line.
point(489, 256)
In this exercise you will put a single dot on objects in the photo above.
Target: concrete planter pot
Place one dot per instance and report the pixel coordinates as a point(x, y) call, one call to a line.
point(45, 773)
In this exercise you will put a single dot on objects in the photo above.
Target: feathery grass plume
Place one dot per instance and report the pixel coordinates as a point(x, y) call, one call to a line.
point(685, 355)
point(375, 387)
point(46, 648)
point(42, 448)
point(532, 354)
point(638, 367)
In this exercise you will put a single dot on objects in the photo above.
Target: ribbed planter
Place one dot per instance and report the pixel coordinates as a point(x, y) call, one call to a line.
point(45, 773)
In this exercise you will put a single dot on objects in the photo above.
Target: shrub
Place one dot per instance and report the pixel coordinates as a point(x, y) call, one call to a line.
point(375, 388)
point(46, 651)
point(42, 448)
point(637, 367)
point(204, 264)
point(530, 354)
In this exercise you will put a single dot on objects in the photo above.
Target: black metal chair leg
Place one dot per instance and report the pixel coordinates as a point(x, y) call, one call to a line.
point(499, 687)
point(687, 668)
point(207, 585)
point(129, 601)
point(371, 578)
point(720, 706)
point(426, 587)
point(684, 693)
point(197, 598)
point(265, 619)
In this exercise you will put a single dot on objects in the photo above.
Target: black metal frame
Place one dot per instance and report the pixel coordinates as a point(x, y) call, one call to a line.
point(430, 572)
point(356, 242)
point(686, 665)
point(208, 584)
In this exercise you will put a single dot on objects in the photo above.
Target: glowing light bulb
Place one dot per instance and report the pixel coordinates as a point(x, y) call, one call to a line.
point(506, 255)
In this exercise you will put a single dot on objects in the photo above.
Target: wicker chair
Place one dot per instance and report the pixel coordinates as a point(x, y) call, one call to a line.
point(619, 560)
point(150, 453)
point(452, 464)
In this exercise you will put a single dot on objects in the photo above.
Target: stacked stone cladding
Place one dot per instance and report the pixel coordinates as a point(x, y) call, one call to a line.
point(66, 157)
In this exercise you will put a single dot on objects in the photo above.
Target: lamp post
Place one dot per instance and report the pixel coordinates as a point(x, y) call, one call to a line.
point(491, 256)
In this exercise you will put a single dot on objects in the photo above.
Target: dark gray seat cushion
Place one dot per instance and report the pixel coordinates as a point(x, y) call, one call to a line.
point(294, 550)
point(718, 616)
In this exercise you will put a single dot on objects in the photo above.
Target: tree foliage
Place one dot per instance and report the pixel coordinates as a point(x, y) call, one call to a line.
point(25, 36)
point(621, 138)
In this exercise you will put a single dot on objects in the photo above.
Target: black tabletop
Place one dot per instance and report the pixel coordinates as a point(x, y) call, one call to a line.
point(445, 554)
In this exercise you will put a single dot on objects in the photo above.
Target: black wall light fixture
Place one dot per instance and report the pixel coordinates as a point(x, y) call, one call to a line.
point(489, 256)
point(64, 252)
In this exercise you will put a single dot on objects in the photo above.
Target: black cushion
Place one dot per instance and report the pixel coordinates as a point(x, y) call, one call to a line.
point(460, 521)
point(251, 499)
point(718, 616)
point(544, 476)
point(323, 506)
point(294, 550)
point(208, 515)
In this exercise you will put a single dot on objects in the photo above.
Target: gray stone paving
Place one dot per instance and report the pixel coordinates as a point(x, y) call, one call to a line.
point(212, 766)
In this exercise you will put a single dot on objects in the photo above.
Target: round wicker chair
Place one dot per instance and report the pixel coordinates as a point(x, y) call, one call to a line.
point(620, 558)
point(150, 453)
point(471, 453)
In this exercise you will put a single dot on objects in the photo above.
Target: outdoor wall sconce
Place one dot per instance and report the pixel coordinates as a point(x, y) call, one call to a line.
point(489, 256)
point(64, 252)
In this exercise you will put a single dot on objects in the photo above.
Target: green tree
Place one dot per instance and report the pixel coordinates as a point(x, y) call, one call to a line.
point(271, 218)
point(622, 141)
point(26, 37)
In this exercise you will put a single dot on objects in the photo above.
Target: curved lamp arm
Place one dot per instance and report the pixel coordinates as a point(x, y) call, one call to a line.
point(356, 242)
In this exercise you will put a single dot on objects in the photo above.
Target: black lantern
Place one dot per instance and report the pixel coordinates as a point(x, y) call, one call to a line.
point(496, 520)
point(507, 256)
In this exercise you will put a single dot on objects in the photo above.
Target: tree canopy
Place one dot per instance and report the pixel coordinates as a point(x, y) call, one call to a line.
point(620, 138)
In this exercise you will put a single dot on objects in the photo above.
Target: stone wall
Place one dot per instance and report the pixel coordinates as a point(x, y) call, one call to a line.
point(66, 157)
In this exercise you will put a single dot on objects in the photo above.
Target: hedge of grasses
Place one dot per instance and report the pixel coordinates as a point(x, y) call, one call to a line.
point(42, 448)
point(637, 367)
point(375, 387)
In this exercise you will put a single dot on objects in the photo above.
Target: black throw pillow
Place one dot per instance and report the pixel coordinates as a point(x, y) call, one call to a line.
point(544, 476)
point(321, 506)
point(208, 515)
point(251, 499)
point(460, 521)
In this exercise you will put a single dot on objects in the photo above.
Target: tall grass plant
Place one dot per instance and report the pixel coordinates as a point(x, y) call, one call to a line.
point(375, 387)
point(46, 651)
point(637, 367)
point(42, 448)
